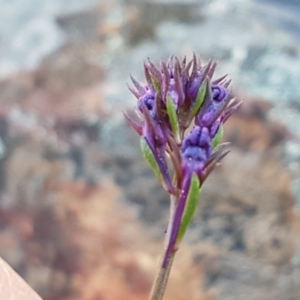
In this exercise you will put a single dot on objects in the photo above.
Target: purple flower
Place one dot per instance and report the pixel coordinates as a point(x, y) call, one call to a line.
point(193, 86)
point(219, 93)
point(175, 96)
point(195, 153)
point(195, 150)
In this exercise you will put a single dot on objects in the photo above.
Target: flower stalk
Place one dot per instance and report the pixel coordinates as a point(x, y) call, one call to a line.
point(160, 283)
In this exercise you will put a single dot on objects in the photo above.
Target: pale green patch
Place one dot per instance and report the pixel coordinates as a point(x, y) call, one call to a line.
point(218, 137)
point(200, 98)
point(155, 84)
point(148, 155)
point(171, 109)
point(190, 207)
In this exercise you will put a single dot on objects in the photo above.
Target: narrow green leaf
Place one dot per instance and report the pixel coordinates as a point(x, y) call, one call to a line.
point(190, 207)
point(218, 137)
point(200, 98)
point(149, 157)
point(171, 109)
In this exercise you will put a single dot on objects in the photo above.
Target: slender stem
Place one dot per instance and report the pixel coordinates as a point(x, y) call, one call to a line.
point(173, 203)
point(161, 280)
point(162, 276)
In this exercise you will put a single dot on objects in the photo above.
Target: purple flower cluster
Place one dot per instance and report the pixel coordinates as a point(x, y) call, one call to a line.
point(181, 112)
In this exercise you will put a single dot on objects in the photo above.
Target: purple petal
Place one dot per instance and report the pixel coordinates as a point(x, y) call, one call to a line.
point(212, 113)
point(219, 93)
point(193, 86)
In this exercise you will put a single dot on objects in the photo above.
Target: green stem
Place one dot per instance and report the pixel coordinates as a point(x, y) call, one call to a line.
point(161, 280)
point(173, 202)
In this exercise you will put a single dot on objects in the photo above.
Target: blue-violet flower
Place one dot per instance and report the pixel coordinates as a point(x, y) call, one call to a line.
point(181, 112)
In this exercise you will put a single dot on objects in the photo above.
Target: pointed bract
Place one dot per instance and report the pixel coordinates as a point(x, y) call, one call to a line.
point(190, 207)
point(138, 86)
point(138, 128)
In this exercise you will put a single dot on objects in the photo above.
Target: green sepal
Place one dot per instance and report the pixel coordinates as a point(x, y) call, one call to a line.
point(171, 109)
point(200, 98)
point(149, 157)
point(155, 83)
point(218, 137)
point(190, 207)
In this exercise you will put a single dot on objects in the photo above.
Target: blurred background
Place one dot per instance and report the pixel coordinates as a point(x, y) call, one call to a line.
point(81, 214)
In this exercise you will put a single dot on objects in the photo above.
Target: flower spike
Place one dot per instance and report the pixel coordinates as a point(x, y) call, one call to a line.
point(182, 110)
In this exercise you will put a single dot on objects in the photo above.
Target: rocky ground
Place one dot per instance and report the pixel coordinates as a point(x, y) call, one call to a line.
point(81, 214)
